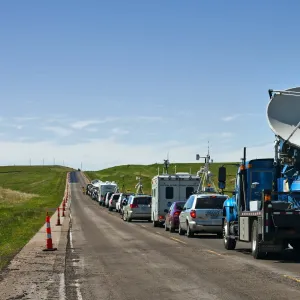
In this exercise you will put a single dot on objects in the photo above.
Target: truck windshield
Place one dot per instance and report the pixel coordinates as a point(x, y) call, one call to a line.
point(264, 180)
point(210, 202)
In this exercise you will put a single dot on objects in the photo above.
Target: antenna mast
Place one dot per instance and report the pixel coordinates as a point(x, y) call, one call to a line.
point(206, 182)
point(139, 186)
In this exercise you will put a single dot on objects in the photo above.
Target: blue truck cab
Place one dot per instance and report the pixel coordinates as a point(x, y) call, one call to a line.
point(263, 209)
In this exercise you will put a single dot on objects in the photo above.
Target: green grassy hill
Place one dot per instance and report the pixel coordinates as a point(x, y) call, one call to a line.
point(148, 171)
point(25, 195)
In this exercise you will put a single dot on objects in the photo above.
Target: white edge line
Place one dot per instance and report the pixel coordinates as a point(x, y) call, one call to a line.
point(62, 293)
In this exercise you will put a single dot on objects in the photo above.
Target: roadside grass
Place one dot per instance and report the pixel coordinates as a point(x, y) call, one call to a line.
point(26, 193)
point(147, 172)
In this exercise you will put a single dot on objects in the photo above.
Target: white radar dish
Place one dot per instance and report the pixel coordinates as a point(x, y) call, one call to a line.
point(283, 115)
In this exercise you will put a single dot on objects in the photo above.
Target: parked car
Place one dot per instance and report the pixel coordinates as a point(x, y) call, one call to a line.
point(138, 207)
point(107, 197)
point(172, 216)
point(202, 213)
point(121, 198)
point(113, 200)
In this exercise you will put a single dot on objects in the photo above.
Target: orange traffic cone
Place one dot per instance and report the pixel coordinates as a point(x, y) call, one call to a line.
point(49, 245)
point(64, 207)
point(58, 218)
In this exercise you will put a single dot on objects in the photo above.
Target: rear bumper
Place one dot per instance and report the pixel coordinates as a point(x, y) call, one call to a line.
point(195, 227)
point(139, 216)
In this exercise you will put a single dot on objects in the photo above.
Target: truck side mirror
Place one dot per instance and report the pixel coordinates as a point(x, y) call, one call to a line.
point(222, 178)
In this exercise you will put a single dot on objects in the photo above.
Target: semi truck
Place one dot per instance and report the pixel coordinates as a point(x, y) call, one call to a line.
point(264, 209)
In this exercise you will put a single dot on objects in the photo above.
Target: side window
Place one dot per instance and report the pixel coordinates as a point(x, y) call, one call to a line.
point(169, 192)
point(189, 203)
point(188, 191)
point(171, 207)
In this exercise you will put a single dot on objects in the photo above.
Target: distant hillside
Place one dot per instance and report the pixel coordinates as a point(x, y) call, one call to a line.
point(148, 171)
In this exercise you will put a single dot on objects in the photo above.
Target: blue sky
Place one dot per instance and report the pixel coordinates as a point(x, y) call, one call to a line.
point(117, 82)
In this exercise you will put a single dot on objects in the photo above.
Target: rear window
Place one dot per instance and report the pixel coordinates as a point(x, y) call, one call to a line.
point(142, 200)
point(115, 197)
point(210, 202)
point(180, 205)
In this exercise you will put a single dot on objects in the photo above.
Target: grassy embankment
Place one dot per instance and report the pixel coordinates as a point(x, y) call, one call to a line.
point(148, 171)
point(25, 195)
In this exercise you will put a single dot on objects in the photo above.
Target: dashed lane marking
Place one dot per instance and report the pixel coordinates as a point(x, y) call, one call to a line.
point(213, 252)
point(177, 240)
point(292, 278)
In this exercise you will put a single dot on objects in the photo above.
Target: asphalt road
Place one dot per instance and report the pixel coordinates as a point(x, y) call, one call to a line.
point(108, 258)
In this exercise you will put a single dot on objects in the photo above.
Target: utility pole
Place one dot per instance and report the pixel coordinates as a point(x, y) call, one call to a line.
point(30, 161)
point(81, 166)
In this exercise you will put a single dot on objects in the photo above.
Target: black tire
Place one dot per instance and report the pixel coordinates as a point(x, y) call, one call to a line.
point(166, 227)
point(172, 228)
point(149, 220)
point(255, 239)
point(189, 232)
point(229, 243)
point(180, 230)
point(110, 209)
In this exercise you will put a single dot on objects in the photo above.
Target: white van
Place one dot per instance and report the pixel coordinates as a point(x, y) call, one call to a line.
point(167, 189)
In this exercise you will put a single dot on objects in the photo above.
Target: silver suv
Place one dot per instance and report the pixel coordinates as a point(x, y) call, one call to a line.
point(138, 207)
point(202, 213)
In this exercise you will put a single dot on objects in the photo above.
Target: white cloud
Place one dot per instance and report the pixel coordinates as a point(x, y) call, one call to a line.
point(226, 134)
point(24, 119)
point(92, 129)
point(60, 131)
point(233, 117)
point(119, 131)
point(149, 118)
point(120, 153)
point(85, 123)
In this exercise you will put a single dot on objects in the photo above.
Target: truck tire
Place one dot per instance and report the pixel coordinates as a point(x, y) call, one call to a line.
point(255, 239)
point(229, 243)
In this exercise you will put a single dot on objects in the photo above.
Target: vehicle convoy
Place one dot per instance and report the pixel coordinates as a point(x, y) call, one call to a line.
point(265, 206)
point(168, 188)
point(105, 187)
point(203, 211)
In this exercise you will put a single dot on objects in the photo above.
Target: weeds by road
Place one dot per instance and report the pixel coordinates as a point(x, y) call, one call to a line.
point(26, 193)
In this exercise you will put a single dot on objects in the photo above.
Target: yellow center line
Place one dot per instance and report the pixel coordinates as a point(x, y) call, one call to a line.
point(213, 252)
point(292, 278)
point(177, 240)
point(143, 226)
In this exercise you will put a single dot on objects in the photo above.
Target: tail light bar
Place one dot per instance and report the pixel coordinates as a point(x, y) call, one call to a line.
point(193, 214)
point(177, 213)
point(134, 206)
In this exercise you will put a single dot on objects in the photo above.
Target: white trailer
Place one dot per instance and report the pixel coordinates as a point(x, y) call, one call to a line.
point(105, 187)
point(167, 189)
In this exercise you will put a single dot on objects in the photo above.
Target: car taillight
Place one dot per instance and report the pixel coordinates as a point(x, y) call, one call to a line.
point(193, 214)
point(177, 213)
point(134, 206)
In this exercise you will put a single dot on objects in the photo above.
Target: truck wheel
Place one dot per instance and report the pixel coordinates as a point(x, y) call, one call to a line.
point(256, 238)
point(229, 243)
